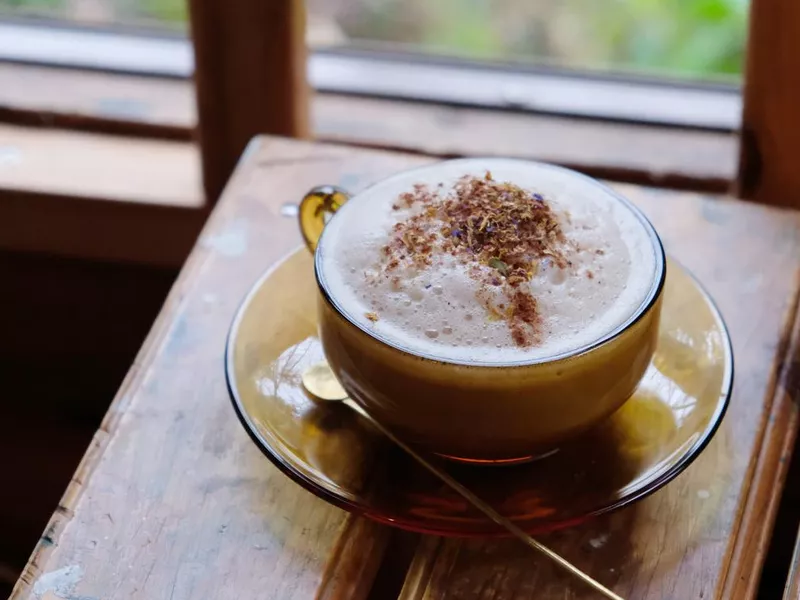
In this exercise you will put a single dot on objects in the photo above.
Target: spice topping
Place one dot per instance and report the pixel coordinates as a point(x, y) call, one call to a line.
point(500, 231)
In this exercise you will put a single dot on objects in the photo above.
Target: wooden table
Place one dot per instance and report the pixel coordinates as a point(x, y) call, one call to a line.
point(173, 500)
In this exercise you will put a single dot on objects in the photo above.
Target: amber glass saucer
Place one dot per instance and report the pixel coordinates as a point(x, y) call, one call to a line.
point(336, 455)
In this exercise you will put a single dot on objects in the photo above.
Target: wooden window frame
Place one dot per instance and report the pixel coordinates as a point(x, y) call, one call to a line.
point(251, 39)
point(251, 78)
point(164, 108)
point(406, 76)
point(770, 148)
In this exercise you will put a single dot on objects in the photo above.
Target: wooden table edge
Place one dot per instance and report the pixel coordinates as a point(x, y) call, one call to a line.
point(144, 358)
point(768, 468)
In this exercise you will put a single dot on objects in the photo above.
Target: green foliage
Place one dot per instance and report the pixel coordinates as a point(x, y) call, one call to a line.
point(697, 38)
point(32, 4)
point(688, 36)
point(170, 11)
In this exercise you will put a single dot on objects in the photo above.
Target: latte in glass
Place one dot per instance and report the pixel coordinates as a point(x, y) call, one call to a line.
point(486, 309)
point(488, 261)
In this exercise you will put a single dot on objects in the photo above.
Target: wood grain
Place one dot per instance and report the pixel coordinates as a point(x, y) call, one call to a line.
point(354, 561)
point(772, 466)
point(174, 501)
point(705, 534)
point(770, 148)
point(164, 108)
point(98, 229)
point(659, 156)
point(48, 161)
point(151, 101)
point(250, 78)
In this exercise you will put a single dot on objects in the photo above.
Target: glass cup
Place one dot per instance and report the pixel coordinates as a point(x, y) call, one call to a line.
point(492, 414)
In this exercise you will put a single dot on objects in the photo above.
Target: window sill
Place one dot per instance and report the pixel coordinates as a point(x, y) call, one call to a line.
point(164, 108)
point(98, 197)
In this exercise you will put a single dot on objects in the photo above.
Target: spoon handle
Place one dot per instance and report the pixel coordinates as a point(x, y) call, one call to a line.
point(487, 509)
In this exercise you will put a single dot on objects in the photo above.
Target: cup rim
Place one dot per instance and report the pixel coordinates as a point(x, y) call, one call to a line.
point(644, 308)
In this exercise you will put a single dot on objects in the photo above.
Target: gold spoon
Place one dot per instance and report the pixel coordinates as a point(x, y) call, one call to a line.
point(321, 383)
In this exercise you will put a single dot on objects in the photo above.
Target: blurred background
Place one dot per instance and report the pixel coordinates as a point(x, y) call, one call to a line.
point(697, 39)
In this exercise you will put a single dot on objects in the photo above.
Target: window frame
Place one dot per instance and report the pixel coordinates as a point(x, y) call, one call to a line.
point(405, 76)
point(773, 26)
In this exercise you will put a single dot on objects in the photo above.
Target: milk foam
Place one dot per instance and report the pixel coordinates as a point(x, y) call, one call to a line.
point(434, 311)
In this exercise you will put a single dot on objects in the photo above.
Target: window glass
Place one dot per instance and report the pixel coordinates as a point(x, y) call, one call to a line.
point(700, 39)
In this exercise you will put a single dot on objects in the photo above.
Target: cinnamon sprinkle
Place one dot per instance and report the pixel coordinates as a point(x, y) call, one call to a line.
point(495, 225)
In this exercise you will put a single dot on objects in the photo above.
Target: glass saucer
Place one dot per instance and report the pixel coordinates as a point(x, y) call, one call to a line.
point(338, 456)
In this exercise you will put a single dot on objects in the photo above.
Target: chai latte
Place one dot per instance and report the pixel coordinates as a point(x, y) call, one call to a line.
point(489, 261)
